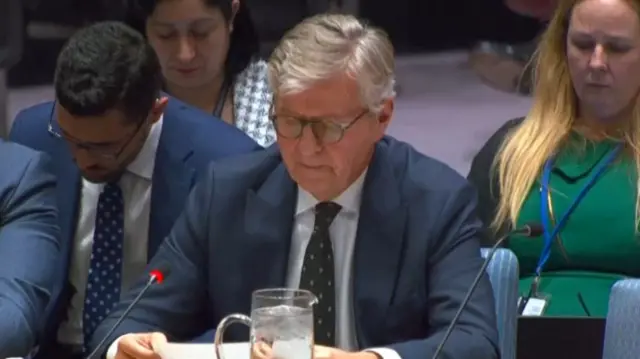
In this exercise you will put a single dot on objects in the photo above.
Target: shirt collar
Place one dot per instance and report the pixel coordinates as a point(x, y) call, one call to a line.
point(144, 162)
point(349, 199)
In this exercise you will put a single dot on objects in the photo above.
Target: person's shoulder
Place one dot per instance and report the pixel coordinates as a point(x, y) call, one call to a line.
point(206, 132)
point(252, 84)
point(253, 166)
point(16, 157)
point(507, 127)
point(496, 139)
point(190, 117)
point(426, 184)
point(237, 175)
point(11, 149)
point(418, 171)
point(257, 69)
point(194, 120)
point(30, 128)
point(483, 159)
point(39, 113)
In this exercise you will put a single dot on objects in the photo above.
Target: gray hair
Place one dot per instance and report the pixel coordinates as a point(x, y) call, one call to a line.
point(327, 44)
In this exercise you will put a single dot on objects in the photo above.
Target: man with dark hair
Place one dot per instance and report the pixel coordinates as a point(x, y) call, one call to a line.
point(126, 158)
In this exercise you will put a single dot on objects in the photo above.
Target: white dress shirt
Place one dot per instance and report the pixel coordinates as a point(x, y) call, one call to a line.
point(343, 237)
point(136, 190)
point(342, 232)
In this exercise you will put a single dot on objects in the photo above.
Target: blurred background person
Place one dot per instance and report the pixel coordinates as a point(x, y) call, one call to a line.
point(504, 66)
point(572, 163)
point(208, 51)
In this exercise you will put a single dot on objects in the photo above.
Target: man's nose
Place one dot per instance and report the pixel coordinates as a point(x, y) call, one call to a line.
point(308, 143)
point(84, 158)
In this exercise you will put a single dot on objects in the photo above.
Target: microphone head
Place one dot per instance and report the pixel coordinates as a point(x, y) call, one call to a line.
point(161, 272)
point(534, 230)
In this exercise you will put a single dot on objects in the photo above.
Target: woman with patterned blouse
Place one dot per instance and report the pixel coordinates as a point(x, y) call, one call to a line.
point(208, 50)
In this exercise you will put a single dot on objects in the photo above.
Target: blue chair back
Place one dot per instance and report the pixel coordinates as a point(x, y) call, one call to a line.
point(503, 273)
point(622, 332)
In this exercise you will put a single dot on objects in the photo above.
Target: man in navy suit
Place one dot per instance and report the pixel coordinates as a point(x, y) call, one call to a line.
point(384, 236)
point(29, 246)
point(126, 158)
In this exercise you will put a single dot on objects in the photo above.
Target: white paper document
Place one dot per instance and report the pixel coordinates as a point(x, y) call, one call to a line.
point(203, 351)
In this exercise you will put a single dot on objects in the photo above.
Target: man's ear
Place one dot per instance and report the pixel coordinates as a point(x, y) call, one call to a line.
point(235, 7)
point(158, 109)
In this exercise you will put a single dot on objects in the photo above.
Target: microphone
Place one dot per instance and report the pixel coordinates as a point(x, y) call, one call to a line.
point(530, 230)
point(155, 276)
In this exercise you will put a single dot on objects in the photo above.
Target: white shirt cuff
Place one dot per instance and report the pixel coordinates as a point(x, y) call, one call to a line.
point(384, 353)
point(113, 349)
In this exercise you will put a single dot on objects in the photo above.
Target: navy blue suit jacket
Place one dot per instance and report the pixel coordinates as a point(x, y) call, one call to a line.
point(29, 246)
point(190, 140)
point(416, 253)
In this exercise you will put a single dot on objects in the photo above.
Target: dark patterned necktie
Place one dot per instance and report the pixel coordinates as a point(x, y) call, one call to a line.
point(104, 280)
point(318, 273)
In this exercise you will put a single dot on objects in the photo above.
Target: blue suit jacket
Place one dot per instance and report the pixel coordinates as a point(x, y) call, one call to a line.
point(416, 254)
point(190, 140)
point(29, 246)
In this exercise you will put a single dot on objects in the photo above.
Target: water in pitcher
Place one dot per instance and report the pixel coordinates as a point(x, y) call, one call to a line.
point(287, 329)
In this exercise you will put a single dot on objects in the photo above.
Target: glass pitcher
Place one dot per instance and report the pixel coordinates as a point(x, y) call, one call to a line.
point(281, 324)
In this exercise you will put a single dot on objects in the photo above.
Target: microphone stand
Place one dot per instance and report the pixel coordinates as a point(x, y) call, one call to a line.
point(528, 231)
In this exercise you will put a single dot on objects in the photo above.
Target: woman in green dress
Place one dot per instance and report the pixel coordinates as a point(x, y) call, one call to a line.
point(571, 165)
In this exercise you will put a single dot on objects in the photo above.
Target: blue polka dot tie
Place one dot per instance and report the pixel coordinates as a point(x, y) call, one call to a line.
point(103, 283)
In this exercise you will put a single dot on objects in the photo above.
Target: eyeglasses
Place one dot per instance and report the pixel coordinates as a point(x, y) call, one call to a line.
point(105, 152)
point(324, 130)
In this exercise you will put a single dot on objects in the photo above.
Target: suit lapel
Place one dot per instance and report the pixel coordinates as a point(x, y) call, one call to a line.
point(67, 190)
point(172, 178)
point(378, 248)
point(268, 223)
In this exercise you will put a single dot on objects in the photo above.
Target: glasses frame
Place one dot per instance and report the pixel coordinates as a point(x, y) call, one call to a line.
point(114, 155)
point(343, 127)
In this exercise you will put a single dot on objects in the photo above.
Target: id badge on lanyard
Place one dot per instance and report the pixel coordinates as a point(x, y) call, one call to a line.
point(535, 303)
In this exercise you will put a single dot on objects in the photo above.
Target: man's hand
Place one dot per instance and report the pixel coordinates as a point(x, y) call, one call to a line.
point(140, 346)
point(322, 352)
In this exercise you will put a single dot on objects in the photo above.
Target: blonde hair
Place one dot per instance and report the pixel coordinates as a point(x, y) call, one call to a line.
point(327, 44)
point(548, 123)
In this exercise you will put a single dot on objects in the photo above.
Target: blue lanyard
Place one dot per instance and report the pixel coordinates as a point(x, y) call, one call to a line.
point(549, 232)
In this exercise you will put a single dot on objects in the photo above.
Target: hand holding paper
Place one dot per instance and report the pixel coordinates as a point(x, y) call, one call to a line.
point(140, 346)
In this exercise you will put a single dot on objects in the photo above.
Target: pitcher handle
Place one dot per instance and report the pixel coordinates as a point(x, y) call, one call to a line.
point(222, 327)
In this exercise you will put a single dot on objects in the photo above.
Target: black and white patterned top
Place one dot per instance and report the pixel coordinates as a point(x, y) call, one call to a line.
point(252, 100)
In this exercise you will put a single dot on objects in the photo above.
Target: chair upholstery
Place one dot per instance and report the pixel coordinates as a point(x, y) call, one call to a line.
point(622, 332)
point(503, 273)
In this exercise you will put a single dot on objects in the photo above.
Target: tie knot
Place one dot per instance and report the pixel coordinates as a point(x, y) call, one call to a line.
point(111, 186)
point(327, 211)
point(112, 192)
